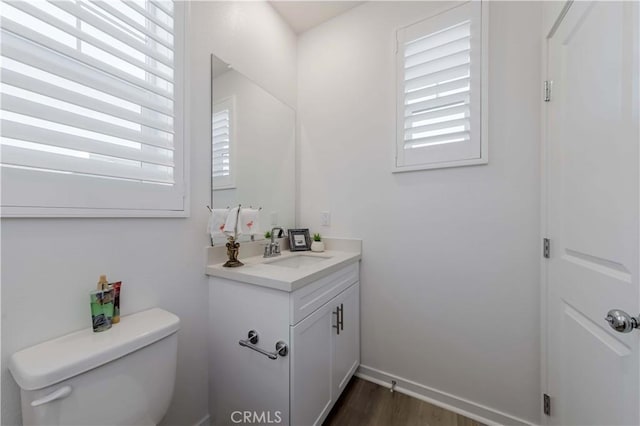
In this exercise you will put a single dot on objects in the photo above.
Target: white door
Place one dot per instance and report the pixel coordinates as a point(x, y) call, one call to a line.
point(593, 372)
point(311, 359)
point(347, 341)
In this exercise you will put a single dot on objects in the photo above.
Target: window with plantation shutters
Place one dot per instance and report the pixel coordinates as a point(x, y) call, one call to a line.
point(440, 68)
point(223, 145)
point(92, 107)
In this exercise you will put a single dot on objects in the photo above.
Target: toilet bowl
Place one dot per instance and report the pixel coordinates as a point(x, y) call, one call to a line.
point(122, 376)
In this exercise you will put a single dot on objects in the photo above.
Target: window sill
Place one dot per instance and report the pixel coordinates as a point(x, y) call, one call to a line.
point(443, 165)
point(43, 212)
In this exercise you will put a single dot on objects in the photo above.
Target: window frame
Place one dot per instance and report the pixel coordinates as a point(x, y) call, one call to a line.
point(182, 153)
point(483, 143)
point(227, 182)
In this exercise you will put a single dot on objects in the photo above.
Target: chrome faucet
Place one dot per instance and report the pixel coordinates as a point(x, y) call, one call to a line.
point(272, 249)
point(273, 233)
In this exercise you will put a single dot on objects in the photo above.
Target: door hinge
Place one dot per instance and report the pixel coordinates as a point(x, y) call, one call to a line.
point(546, 248)
point(546, 404)
point(547, 90)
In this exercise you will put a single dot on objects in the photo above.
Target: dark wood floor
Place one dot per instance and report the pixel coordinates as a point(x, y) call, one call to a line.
point(366, 404)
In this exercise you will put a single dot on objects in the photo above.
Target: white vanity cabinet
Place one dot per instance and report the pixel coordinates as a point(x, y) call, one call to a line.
point(327, 353)
point(320, 323)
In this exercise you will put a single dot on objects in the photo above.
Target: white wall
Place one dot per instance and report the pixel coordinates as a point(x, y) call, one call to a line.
point(49, 265)
point(253, 38)
point(449, 292)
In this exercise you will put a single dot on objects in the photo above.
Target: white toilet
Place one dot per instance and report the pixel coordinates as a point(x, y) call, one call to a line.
point(122, 376)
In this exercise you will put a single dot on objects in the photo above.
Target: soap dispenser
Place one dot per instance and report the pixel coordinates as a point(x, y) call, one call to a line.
point(103, 284)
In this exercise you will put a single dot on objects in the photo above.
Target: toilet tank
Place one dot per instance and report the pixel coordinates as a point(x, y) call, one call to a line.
point(122, 376)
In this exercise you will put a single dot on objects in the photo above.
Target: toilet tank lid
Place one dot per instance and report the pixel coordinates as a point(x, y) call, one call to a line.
point(59, 359)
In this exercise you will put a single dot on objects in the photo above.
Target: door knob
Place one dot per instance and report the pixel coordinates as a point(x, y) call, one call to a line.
point(621, 321)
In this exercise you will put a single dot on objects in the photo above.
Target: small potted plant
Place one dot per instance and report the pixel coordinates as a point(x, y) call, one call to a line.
point(317, 245)
point(267, 235)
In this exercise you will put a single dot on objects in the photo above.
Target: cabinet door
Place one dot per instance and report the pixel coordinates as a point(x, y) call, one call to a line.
point(347, 343)
point(311, 358)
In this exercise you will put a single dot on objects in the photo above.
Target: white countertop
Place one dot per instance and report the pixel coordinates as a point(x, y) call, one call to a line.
point(258, 271)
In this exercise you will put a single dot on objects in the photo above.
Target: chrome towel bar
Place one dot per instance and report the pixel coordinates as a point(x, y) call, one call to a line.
point(252, 338)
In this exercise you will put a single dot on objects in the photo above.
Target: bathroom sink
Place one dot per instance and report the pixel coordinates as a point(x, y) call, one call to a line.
point(297, 261)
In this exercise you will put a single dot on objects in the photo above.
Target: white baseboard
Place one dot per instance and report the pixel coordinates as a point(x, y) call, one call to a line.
point(445, 400)
point(205, 421)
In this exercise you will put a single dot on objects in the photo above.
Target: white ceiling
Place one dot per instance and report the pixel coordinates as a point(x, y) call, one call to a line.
point(304, 15)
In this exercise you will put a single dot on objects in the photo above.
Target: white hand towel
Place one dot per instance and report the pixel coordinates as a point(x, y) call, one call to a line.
point(230, 224)
point(217, 220)
point(250, 221)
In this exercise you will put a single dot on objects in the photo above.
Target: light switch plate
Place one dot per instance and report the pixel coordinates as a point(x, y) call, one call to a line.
point(325, 218)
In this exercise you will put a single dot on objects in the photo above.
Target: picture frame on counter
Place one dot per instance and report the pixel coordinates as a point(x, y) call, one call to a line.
point(299, 239)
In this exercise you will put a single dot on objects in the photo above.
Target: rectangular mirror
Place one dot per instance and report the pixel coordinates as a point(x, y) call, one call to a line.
point(253, 149)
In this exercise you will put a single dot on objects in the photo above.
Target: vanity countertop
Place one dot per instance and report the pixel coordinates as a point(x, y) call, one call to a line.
point(258, 270)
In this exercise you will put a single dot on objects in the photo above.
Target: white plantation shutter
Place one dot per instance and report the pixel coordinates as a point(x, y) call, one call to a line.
point(223, 144)
point(221, 139)
point(439, 90)
point(91, 106)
